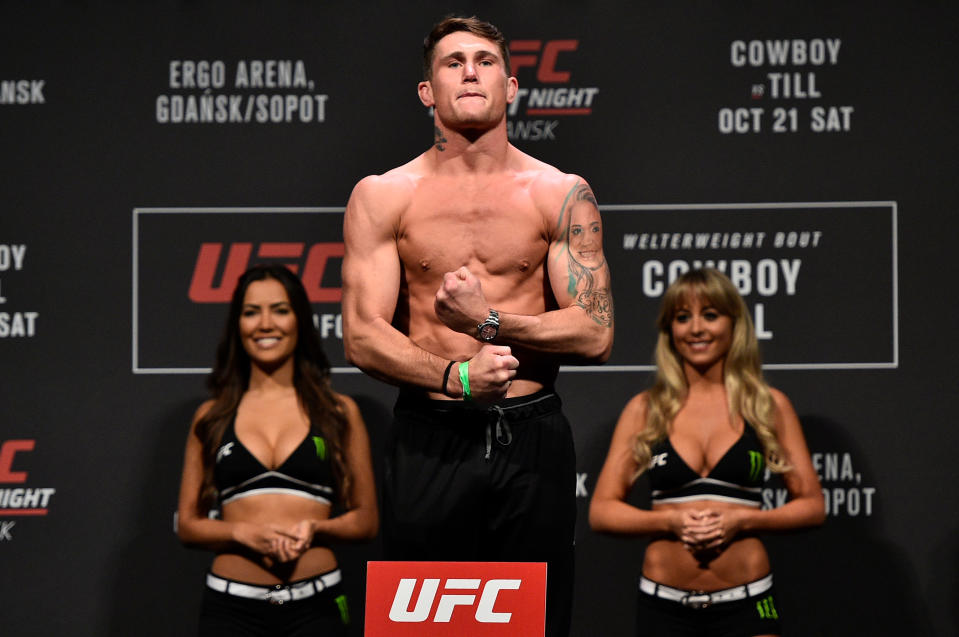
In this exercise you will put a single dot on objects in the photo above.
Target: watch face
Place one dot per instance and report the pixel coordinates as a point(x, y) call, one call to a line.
point(488, 332)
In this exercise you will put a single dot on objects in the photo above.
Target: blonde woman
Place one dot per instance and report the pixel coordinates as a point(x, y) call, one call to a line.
point(705, 433)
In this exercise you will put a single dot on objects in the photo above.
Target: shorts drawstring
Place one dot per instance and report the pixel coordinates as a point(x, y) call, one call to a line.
point(504, 435)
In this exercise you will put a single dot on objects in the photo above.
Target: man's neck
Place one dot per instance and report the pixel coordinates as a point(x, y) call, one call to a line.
point(470, 151)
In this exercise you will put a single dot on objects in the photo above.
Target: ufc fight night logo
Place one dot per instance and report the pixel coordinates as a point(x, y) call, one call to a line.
point(16, 500)
point(455, 598)
point(546, 88)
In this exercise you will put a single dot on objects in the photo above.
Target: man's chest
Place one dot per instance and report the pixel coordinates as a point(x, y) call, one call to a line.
point(498, 229)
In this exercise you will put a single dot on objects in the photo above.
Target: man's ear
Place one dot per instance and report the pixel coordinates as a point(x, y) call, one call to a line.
point(512, 86)
point(425, 90)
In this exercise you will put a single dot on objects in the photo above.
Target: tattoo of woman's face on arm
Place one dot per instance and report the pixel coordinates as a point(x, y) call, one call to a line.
point(585, 230)
point(588, 273)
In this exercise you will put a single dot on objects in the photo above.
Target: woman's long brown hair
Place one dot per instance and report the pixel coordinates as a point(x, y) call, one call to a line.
point(230, 379)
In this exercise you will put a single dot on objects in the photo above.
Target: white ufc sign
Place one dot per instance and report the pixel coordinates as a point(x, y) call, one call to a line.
point(399, 611)
point(408, 599)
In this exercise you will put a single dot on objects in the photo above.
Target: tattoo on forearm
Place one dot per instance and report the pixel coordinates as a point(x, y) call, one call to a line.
point(597, 301)
point(598, 306)
point(439, 139)
point(580, 230)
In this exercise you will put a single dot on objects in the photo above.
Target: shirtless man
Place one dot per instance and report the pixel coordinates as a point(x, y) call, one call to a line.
point(471, 273)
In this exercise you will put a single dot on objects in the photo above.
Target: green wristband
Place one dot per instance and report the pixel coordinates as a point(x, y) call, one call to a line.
point(465, 379)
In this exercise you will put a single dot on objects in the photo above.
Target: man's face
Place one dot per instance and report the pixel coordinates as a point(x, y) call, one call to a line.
point(469, 87)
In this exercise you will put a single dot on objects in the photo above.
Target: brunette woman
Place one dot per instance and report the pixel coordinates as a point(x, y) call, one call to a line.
point(268, 460)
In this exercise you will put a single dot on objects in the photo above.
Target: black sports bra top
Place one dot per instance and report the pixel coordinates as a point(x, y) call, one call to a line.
point(307, 472)
point(737, 477)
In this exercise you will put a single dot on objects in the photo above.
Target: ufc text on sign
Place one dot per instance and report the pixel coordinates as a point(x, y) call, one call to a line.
point(478, 599)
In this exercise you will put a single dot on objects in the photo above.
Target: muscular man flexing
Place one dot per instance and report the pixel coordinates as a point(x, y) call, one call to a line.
point(471, 273)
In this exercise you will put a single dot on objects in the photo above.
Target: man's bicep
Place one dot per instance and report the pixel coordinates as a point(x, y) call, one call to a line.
point(371, 281)
point(559, 274)
point(371, 264)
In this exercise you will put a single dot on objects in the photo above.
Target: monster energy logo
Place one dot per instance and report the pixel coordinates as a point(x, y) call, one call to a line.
point(755, 465)
point(766, 608)
point(341, 604)
point(320, 447)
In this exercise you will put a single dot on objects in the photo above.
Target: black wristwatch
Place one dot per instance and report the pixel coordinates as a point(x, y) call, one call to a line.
point(488, 329)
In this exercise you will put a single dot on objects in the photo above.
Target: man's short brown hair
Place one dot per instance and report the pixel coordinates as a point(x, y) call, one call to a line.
point(453, 24)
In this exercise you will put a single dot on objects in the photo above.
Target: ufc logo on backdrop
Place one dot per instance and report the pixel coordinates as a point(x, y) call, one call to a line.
point(239, 256)
point(465, 599)
point(533, 54)
point(551, 93)
point(8, 450)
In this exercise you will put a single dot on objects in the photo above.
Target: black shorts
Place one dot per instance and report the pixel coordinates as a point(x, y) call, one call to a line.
point(493, 483)
point(322, 614)
point(756, 615)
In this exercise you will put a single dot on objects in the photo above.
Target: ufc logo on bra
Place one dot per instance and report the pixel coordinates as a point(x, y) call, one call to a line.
point(447, 599)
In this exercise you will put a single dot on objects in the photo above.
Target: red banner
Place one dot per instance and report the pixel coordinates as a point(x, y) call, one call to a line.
point(437, 599)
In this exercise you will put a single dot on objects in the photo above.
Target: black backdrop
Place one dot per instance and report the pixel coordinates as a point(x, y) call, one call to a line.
point(141, 143)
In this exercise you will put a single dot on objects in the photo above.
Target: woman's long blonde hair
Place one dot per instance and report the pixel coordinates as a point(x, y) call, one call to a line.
point(747, 393)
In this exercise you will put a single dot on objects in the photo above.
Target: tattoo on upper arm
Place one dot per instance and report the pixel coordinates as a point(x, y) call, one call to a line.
point(439, 139)
point(583, 193)
point(580, 229)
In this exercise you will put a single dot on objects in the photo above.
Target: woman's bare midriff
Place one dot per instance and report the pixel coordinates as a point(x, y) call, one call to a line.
point(282, 511)
point(667, 560)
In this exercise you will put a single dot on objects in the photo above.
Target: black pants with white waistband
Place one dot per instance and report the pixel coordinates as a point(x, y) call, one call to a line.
point(753, 615)
point(324, 614)
point(465, 482)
